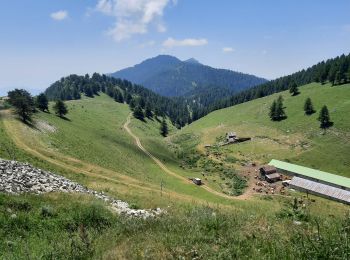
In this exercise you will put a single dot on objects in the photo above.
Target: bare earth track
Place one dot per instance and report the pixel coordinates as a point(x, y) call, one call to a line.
point(98, 172)
point(168, 171)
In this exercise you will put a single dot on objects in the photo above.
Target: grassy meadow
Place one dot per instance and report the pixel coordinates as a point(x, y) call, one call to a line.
point(297, 139)
point(92, 147)
point(68, 226)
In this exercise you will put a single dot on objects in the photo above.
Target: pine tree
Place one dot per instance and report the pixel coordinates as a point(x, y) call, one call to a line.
point(277, 110)
point(118, 96)
point(157, 112)
point(42, 103)
point(132, 104)
point(22, 102)
point(148, 111)
point(142, 103)
point(272, 113)
point(60, 108)
point(308, 107)
point(164, 128)
point(88, 91)
point(293, 89)
point(324, 118)
point(128, 98)
point(280, 109)
point(138, 113)
point(332, 74)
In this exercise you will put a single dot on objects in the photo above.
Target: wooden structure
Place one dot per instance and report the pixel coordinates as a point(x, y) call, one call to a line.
point(273, 177)
point(267, 169)
point(320, 189)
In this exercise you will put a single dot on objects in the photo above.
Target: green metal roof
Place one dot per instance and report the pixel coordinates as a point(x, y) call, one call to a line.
point(312, 173)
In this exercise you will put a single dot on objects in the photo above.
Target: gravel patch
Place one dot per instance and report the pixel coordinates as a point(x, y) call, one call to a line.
point(18, 178)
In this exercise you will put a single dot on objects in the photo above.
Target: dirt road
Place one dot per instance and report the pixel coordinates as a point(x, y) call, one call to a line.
point(168, 171)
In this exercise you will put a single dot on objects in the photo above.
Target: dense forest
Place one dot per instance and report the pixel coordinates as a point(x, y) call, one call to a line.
point(73, 86)
point(336, 71)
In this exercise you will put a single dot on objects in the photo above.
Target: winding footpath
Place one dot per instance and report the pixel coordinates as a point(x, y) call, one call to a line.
point(168, 171)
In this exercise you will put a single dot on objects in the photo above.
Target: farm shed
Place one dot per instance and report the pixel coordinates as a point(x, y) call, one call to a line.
point(267, 169)
point(320, 189)
point(273, 177)
point(312, 174)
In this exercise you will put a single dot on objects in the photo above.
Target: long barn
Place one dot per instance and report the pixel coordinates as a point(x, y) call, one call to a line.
point(315, 182)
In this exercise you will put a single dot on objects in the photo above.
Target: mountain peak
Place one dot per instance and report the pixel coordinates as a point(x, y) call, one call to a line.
point(192, 61)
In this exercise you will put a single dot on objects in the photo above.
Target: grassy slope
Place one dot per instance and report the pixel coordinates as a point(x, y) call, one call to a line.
point(252, 229)
point(298, 138)
point(94, 135)
point(63, 226)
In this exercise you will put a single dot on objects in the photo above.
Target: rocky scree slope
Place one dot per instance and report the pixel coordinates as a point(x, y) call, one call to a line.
point(17, 178)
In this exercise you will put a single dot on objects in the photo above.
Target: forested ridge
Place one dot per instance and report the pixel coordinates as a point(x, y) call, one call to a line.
point(74, 86)
point(336, 71)
point(200, 102)
point(171, 77)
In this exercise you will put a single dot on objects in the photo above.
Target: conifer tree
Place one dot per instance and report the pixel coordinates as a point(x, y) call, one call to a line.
point(118, 96)
point(308, 107)
point(280, 109)
point(277, 110)
point(138, 113)
point(293, 89)
point(22, 102)
point(148, 111)
point(164, 128)
point(132, 104)
point(42, 103)
point(324, 118)
point(142, 103)
point(60, 108)
point(272, 113)
point(128, 98)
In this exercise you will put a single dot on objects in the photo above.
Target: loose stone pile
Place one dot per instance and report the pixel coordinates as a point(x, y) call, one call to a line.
point(17, 178)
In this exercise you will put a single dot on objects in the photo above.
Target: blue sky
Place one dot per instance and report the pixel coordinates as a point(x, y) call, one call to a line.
point(42, 41)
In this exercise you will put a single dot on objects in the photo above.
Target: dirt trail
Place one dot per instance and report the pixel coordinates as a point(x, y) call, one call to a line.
point(168, 171)
point(88, 169)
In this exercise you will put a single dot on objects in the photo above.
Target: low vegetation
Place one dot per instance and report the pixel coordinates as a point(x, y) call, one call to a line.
point(64, 226)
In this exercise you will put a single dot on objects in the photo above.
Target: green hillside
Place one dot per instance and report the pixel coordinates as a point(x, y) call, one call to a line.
point(94, 148)
point(298, 138)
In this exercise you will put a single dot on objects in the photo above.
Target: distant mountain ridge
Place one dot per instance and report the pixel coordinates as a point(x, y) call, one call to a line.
point(169, 76)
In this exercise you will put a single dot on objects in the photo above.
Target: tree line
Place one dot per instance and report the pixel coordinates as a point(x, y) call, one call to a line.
point(180, 111)
point(335, 71)
point(25, 105)
point(141, 100)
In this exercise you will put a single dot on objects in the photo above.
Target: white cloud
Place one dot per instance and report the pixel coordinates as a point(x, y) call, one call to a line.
point(161, 28)
point(133, 16)
point(59, 15)
point(171, 42)
point(264, 52)
point(228, 49)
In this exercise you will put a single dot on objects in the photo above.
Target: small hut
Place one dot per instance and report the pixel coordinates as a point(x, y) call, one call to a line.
point(273, 177)
point(267, 169)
